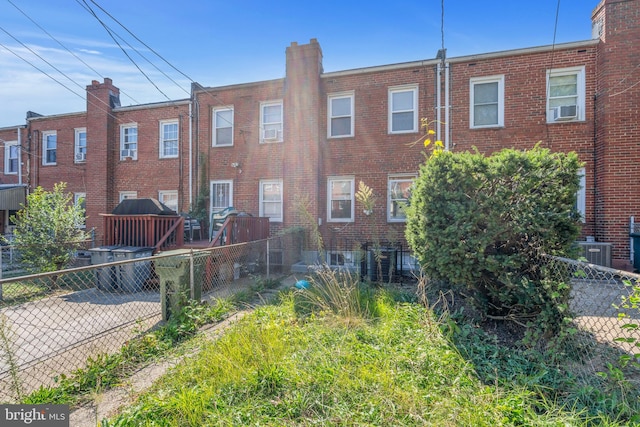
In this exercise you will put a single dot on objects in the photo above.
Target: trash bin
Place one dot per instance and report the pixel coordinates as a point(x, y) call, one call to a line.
point(106, 277)
point(636, 250)
point(174, 272)
point(131, 277)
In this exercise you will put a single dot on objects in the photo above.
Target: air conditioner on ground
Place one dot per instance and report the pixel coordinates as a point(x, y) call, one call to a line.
point(128, 153)
point(598, 253)
point(269, 134)
point(565, 112)
point(81, 157)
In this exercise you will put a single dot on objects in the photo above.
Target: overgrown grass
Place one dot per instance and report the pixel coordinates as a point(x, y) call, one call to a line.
point(107, 370)
point(283, 366)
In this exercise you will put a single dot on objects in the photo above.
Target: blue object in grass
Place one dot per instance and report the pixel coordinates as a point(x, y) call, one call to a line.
point(302, 284)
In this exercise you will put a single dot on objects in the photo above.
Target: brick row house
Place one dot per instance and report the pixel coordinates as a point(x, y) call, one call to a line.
point(265, 147)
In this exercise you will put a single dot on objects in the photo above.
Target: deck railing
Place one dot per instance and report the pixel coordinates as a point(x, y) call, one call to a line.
point(240, 229)
point(160, 232)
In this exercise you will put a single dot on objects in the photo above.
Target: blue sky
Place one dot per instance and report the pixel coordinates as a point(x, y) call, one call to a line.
point(218, 43)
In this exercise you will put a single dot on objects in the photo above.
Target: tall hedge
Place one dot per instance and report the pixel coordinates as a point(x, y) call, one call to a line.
point(479, 223)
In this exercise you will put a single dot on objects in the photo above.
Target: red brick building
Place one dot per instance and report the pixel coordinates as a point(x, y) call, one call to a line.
point(264, 147)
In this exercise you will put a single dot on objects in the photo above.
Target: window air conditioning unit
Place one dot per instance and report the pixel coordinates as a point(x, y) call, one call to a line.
point(81, 157)
point(598, 253)
point(128, 153)
point(269, 134)
point(565, 112)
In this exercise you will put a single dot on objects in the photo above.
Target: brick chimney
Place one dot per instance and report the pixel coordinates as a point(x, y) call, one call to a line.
point(302, 101)
point(102, 146)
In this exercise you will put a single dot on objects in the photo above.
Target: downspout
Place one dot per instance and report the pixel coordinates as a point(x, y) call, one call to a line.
point(438, 103)
point(446, 106)
point(191, 153)
point(19, 155)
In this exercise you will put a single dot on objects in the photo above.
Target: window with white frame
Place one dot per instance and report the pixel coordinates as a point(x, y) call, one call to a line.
point(129, 141)
point(11, 157)
point(79, 199)
point(80, 145)
point(168, 139)
point(221, 195)
point(124, 195)
point(271, 121)
point(169, 199)
point(340, 194)
point(487, 102)
point(271, 199)
point(403, 109)
point(398, 192)
point(581, 195)
point(566, 94)
point(340, 118)
point(49, 147)
point(222, 127)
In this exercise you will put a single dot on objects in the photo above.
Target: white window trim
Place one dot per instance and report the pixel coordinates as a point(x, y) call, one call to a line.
point(404, 88)
point(216, 127)
point(279, 137)
point(7, 151)
point(353, 198)
point(213, 208)
point(76, 198)
point(330, 116)
point(127, 195)
point(581, 89)
point(581, 195)
point(45, 134)
point(163, 123)
point(395, 178)
point(482, 80)
point(78, 156)
point(122, 142)
point(163, 193)
point(279, 218)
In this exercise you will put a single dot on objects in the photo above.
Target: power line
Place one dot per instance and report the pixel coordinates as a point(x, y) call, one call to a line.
point(64, 47)
point(108, 30)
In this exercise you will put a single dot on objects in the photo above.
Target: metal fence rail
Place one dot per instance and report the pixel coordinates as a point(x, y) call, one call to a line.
point(50, 324)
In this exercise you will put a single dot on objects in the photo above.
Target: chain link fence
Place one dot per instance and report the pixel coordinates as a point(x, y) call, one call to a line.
point(606, 323)
point(51, 324)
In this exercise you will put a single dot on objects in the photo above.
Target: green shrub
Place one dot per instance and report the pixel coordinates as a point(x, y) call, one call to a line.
point(480, 223)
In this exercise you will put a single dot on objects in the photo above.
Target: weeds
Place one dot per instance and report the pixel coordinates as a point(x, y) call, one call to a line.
point(107, 370)
point(6, 347)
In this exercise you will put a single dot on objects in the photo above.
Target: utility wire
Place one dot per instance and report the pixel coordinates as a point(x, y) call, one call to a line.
point(65, 48)
point(123, 50)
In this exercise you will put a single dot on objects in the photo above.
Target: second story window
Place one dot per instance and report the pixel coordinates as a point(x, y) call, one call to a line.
point(80, 145)
point(129, 141)
point(565, 94)
point(222, 127)
point(271, 121)
point(49, 147)
point(487, 102)
point(11, 157)
point(403, 109)
point(168, 139)
point(340, 122)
